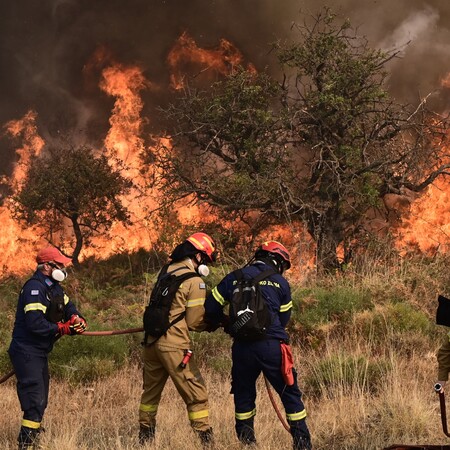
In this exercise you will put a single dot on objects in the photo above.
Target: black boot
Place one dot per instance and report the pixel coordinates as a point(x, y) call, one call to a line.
point(206, 438)
point(245, 431)
point(300, 435)
point(28, 438)
point(302, 444)
point(146, 434)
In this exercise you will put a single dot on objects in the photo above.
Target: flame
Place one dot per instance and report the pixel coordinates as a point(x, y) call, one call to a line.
point(17, 244)
point(32, 143)
point(425, 228)
point(186, 54)
point(124, 137)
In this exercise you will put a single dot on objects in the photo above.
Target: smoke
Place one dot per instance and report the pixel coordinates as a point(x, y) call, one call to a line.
point(47, 49)
point(415, 26)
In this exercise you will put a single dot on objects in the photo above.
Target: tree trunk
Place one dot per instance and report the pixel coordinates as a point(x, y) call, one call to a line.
point(78, 240)
point(326, 231)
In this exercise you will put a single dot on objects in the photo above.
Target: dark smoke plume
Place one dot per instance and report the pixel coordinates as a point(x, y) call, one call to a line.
point(46, 47)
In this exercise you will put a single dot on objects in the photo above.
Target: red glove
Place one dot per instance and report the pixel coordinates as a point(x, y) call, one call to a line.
point(77, 324)
point(64, 328)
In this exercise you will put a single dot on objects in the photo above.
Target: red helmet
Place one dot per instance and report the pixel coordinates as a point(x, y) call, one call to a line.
point(275, 248)
point(205, 244)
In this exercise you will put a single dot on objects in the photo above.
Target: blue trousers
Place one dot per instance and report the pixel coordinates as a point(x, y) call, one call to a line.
point(249, 360)
point(32, 382)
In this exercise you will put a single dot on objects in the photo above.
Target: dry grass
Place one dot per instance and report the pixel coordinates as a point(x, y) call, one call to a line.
point(342, 415)
point(104, 416)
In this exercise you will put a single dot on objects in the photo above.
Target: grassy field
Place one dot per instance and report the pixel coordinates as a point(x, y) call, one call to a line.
point(364, 344)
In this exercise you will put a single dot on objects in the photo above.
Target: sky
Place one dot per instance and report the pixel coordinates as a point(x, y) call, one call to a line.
point(46, 47)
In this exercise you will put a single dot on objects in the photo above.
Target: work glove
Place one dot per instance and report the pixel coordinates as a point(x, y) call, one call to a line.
point(75, 325)
point(64, 328)
point(78, 324)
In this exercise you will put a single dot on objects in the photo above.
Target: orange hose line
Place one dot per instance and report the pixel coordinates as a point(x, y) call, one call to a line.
point(86, 333)
point(275, 406)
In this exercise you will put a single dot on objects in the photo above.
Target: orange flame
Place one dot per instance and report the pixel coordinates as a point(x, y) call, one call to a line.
point(427, 227)
point(25, 129)
point(125, 83)
point(186, 54)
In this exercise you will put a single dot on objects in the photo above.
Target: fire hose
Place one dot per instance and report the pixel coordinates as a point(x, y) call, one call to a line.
point(86, 333)
point(275, 406)
point(439, 389)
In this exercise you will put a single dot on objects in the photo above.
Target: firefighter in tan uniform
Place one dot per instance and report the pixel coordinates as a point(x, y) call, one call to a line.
point(443, 357)
point(162, 356)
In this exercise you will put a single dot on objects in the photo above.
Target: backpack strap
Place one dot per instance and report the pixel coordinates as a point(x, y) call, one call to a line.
point(239, 274)
point(180, 280)
point(264, 274)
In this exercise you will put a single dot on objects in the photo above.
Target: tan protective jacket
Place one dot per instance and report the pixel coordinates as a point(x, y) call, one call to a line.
point(190, 297)
point(443, 357)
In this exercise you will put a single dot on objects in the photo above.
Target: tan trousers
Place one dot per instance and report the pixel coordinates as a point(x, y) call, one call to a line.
point(159, 364)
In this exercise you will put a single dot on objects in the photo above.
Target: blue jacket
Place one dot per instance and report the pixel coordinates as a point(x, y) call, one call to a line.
point(275, 290)
point(33, 332)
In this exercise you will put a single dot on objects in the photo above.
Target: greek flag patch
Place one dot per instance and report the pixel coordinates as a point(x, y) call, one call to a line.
point(202, 285)
point(35, 292)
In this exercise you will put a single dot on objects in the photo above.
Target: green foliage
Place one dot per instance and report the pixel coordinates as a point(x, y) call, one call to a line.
point(406, 327)
point(87, 358)
point(72, 184)
point(335, 304)
point(345, 372)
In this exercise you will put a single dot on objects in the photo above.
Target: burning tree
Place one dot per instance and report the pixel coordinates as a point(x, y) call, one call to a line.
point(325, 146)
point(71, 185)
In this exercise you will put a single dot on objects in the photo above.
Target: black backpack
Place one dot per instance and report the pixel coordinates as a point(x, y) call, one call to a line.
point(156, 315)
point(249, 315)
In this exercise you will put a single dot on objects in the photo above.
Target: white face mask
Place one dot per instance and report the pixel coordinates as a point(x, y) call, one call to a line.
point(203, 270)
point(59, 275)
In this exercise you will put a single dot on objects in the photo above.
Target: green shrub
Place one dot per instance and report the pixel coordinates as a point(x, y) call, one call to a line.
point(327, 305)
point(393, 317)
point(86, 358)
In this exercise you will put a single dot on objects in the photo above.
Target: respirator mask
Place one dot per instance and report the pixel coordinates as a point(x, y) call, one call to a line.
point(202, 269)
point(57, 273)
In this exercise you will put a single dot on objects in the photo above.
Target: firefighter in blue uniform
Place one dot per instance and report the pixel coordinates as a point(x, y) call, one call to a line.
point(44, 313)
point(252, 358)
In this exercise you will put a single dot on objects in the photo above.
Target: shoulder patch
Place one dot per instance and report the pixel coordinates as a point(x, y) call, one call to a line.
point(35, 292)
point(48, 282)
point(202, 285)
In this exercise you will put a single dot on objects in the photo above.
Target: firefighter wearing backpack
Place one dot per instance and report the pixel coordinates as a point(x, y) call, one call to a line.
point(168, 351)
point(263, 353)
